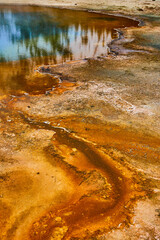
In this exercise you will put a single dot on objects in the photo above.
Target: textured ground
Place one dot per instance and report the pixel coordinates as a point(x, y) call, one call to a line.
point(82, 161)
point(114, 5)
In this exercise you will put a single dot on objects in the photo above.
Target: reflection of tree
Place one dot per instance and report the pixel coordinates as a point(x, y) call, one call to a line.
point(26, 29)
point(49, 35)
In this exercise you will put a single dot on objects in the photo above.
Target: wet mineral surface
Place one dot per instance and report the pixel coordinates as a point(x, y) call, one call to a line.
point(81, 160)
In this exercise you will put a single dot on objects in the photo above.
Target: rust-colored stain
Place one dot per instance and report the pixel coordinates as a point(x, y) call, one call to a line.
point(96, 188)
point(65, 177)
point(104, 188)
point(94, 206)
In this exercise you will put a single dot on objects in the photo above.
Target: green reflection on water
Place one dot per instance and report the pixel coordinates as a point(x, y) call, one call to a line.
point(31, 36)
point(28, 34)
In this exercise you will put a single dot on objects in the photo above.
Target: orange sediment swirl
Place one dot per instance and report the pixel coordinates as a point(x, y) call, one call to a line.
point(101, 194)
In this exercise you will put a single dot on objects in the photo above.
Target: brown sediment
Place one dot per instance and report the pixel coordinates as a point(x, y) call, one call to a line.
point(102, 208)
point(94, 157)
point(72, 177)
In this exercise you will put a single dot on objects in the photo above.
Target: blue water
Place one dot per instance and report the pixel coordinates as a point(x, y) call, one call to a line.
point(25, 35)
point(31, 36)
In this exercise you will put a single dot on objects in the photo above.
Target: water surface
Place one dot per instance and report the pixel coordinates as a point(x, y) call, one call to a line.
point(31, 36)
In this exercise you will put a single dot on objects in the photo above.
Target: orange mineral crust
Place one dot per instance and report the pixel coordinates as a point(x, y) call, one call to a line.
point(74, 185)
point(79, 125)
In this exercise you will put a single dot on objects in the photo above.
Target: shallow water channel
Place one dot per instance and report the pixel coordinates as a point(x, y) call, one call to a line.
point(31, 36)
